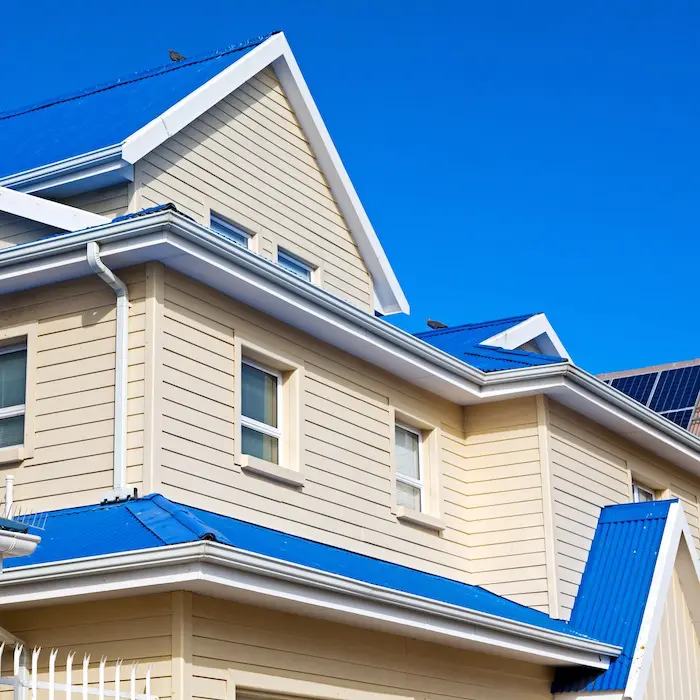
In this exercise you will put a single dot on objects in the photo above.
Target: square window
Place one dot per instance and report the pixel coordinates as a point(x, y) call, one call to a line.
point(13, 380)
point(642, 494)
point(409, 477)
point(229, 230)
point(260, 409)
point(294, 265)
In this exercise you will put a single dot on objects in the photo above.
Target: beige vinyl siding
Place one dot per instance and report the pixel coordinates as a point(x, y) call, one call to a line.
point(135, 629)
point(593, 468)
point(228, 637)
point(15, 230)
point(108, 201)
point(675, 669)
point(74, 389)
point(247, 159)
point(502, 491)
point(346, 500)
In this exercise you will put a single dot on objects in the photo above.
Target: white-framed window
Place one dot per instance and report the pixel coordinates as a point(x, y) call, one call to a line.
point(231, 231)
point(293, 264)
point(261, 411)
point(642, 494)
point(13, 382)
point(408, 446)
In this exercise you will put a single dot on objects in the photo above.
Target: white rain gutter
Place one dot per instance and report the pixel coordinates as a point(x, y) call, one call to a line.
point(120, 489)
point(212, 568)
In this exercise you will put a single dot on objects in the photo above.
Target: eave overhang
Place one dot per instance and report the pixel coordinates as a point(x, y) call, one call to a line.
point(198, 252)
point(221, 571)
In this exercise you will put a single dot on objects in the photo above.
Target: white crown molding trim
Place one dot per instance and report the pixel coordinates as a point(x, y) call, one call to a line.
point(45, 211)
point(535, 327)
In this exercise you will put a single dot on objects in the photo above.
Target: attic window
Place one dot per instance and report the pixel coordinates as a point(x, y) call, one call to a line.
point(642, 494)
point(295, 265)
point(230, 231)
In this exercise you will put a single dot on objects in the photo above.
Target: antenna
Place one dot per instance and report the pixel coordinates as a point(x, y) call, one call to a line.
point(20, 514)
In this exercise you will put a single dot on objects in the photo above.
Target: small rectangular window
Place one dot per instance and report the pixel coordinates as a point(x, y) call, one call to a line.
point(260, 412)
point(13, 380)
point(409, 476)
point(642, 494)
point(227, 229)
point(294, 265)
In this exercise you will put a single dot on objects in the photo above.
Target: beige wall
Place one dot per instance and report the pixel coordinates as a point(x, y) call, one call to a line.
point(593, 468)
point(247, 159)
point(675, 669)
point(245, 646)
point(73, 387)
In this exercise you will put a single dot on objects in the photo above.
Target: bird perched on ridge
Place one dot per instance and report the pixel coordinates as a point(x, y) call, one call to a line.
point(175, 56)
point(435, 325)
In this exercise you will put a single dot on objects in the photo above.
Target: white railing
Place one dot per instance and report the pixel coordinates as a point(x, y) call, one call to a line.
point(22, 680)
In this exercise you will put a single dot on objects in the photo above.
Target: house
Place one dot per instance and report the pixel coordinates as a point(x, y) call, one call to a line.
point(673, 390)
point(258, 487)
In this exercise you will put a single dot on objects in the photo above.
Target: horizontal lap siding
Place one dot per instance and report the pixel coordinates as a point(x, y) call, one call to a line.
point(15, 230)
point(247, 159)
point(346, 500)
point(108, 201)
point(590, 470)
point(74, 389)
point(497, 500)
point(675, 669)
point(136, 629)
point(228, 636)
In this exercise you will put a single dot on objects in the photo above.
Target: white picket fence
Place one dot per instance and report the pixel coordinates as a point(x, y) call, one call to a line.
point(26, 682)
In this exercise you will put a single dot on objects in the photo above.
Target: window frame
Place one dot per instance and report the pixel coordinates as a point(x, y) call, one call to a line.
point(258, 426)
point(19, 409)
point(410, 481)
point(638, 488)
point(285, 253)
point(224, 223)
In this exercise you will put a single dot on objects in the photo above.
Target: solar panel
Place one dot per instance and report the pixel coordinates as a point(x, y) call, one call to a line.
point(681, 418)
point(637, 386)
point(677, 389)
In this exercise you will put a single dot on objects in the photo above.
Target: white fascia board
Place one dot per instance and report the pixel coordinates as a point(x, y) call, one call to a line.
point(226, 572)
point(47, 212)
point(276, 52)
point(530, 329)
point(195, 250)
point(677, 531)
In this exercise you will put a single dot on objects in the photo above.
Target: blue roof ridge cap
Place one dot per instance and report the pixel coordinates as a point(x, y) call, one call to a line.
point(629, 512)
point(137, 76)
point(188, 520)
point(477, 324)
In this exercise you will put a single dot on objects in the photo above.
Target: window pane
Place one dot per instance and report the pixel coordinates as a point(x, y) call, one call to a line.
point(230, 231)
point(12, 431)
point(642, 495)
point(259, 445)
point(13, 371)
point(293, 265)
point(407, 496)
point(259, 395)
point(407, 453)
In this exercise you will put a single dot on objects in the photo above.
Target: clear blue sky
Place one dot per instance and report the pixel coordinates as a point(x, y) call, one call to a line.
point(513, 156)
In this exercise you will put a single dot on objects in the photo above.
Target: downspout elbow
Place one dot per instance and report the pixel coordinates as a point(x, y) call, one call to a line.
point(121, 490)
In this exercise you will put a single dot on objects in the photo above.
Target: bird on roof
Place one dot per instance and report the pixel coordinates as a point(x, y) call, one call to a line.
point(175, 56)
point(435, 325)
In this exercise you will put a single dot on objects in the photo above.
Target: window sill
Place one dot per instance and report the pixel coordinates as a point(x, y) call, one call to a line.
point(260, 467)
point(413, 517)
point(12, 455)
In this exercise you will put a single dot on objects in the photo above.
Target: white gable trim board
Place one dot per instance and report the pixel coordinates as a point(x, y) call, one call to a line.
point(537, 328)
point(275, 52)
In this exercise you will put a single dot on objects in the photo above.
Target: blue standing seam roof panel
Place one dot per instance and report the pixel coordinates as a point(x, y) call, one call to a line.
point(105, 115)
point(154, 521)
point(614, 589)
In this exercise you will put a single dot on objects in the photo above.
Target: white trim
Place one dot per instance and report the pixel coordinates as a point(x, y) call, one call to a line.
point(676, 528)
point(418, 483)
point(273, 431)
point(536, 327)
point(12, 412)
point(638, 489)
point(222, 571)
point(196, 251)
point(275, 51)
point(44, 211)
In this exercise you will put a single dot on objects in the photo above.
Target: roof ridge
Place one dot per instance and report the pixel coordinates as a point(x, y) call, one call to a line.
point(187, 519)
point(137, 76)
point(629, 512)
point(477, 324)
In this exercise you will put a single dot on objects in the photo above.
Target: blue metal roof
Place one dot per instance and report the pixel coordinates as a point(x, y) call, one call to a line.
point(104, 115)
point(614, 589)
point(154, 521)
point(465, 342)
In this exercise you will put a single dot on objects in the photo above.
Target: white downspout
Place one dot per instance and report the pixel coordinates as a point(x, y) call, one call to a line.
point(120, 489)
